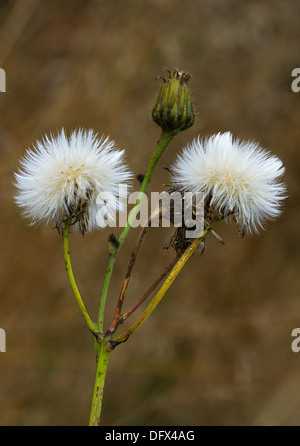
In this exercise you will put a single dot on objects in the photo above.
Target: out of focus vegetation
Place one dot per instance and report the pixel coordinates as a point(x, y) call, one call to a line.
point(217, 350)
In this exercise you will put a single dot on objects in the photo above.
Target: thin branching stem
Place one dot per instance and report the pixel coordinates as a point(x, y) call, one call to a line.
point(150, 290)
point(168, 282)
point(131, 264)
point(66, 233)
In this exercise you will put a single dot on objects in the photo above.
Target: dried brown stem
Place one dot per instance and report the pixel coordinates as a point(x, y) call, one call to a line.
point(151, 289)
point(131, 263)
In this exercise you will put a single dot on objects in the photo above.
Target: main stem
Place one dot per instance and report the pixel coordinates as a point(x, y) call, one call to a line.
point(105, 348)
point(164, 140)
point(102, 363)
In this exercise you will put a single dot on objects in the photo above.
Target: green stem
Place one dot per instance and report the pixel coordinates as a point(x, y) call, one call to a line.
point(168, 282)
point(71, 278)
point(102, 363)
point(164, 140)
point(106, 281)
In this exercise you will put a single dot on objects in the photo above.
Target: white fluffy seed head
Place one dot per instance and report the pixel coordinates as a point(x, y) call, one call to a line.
point(63, 176)
point(236, 177)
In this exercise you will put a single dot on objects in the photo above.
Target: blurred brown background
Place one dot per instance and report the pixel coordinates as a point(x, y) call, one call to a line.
point(217, 350)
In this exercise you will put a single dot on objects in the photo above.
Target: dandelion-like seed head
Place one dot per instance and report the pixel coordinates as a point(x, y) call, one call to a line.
point(237, 178)
point(62, 178)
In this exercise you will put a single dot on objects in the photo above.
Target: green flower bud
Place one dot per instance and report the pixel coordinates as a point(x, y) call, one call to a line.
point(174, 109)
